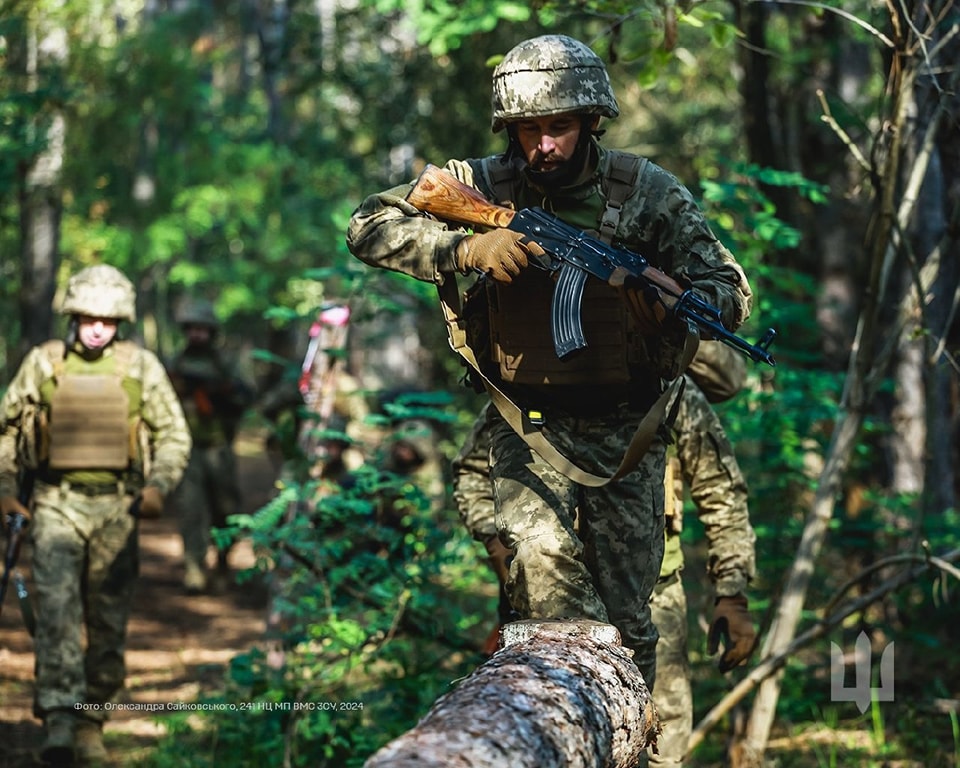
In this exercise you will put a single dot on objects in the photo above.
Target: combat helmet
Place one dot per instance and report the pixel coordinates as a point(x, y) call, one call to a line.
point(196, 311)
point(549, 75)
point(100, 291)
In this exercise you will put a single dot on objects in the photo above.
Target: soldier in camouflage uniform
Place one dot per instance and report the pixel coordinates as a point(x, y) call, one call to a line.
point(549, 94)
point(214, 398)
point(96, 424)
point(702, 459)
point(473, 495)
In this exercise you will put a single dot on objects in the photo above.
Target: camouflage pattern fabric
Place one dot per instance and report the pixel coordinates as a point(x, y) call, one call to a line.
point(208, 494)
point(548, 75)
point(718, 371)
point(100, 291)
point(708, 466)
point(673, 695)
point(709, 469)
point(576, 553)
point(660, 219)
point(159, 410)
point(472, 490)
point(212, 395)
point(84, 539)
point(84, 559)
point(717, 487)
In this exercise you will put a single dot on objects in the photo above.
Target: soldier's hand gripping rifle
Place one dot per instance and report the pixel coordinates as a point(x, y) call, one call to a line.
point(16, 525)
point(574, 255)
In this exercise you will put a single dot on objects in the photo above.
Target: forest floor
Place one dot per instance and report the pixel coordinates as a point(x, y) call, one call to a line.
point(177, 645)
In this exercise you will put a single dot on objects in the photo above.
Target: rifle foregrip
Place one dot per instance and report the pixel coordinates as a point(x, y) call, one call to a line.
point(565, 322)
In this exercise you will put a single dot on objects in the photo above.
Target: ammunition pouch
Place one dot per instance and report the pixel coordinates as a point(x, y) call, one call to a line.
point(521, 342)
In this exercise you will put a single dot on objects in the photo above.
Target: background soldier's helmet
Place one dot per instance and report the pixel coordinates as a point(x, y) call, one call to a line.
point(549, 75)
point(418, 434)
point(197, 312)
point(100, 291)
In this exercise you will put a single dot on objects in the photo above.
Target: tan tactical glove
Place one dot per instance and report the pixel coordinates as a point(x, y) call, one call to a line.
point(647, 308)
point(151, 503)
point(500, 253)
point(732, 622)
point(9, 506)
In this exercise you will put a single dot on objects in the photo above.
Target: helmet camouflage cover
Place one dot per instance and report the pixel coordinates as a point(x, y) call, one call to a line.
point(100, 291)
point(197, 312)
point(549, 75)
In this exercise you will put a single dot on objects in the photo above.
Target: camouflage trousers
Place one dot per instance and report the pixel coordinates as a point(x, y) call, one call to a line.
point(672, 693)
point(207, 495)
point(85, 566)
point(580, 552)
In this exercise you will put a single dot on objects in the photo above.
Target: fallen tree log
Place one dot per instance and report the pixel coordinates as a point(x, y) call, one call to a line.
point(558, 694)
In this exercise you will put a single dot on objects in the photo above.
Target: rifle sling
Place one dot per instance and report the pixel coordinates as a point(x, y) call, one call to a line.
point(530, 433)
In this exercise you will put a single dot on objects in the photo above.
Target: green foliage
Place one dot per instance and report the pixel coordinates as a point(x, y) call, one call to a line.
point(443, 25)
point(180, 170)
point(373, 588)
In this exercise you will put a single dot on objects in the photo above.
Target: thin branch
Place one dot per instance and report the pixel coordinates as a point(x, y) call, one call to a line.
point(840, 12)
point(772, 664)
point(885, 562)
point(828, 118)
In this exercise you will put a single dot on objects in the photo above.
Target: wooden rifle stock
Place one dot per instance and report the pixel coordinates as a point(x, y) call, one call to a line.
point(440, 193)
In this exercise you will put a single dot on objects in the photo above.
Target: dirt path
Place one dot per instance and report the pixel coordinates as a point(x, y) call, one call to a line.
point(177, 644)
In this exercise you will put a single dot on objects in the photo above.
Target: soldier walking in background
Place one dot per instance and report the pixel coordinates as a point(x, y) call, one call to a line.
point(214, 399)
point(96, 424)
point(702, 460)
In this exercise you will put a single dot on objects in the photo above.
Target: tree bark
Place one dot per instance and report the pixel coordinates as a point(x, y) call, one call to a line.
point(869, 359)
point(44, 47)
point(563, 694)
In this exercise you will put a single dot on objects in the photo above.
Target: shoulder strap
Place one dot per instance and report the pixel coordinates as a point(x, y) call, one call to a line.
point(529, 432)
point(623, 169)
point(54, 350)
point(125, 352)
point(499, 177)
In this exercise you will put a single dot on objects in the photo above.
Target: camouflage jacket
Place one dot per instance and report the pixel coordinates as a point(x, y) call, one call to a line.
point(157, 416)
point(212, 394)
point(659, 219)
point(710, 471)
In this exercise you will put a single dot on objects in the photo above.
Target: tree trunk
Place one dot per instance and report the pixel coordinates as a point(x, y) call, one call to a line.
point(40, 204)
point(871, 356)
point(561, 694)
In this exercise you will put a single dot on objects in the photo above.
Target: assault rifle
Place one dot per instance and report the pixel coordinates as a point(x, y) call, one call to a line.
point(15, 527)
point(574, 255)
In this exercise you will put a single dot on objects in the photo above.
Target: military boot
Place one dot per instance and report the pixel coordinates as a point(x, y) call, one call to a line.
point(57, 747)
point(194, 577)
point(220, 581)
point(88, 743)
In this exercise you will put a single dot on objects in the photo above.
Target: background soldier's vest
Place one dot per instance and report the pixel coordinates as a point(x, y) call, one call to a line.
point(521, 344)
point(209, 397)
point(90, 430)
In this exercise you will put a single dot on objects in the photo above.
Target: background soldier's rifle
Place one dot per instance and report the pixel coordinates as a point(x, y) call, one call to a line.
point(573, 256)
point(319, 373)
point(16, 525)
